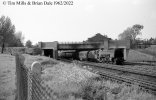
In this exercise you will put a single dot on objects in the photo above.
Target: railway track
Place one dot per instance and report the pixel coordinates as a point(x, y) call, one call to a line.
point(146, 80)
point(124, 68)
point(146, 85)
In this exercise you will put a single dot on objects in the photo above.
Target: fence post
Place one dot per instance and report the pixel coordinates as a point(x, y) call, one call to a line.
point(29, 85)
point(19, 62)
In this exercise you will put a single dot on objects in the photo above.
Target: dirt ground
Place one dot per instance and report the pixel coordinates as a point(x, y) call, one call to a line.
point(7, 77)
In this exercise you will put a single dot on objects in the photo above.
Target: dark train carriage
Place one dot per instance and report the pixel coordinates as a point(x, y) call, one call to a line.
point(66, 54)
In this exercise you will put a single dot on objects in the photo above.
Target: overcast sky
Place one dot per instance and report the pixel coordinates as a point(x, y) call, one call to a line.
point(81, 20)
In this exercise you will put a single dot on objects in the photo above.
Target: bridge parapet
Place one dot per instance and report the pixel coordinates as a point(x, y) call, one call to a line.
point(68, 43)
point(80, 46)
point(119, 44)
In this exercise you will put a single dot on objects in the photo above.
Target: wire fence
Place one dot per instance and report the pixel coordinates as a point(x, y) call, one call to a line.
point(29, 83)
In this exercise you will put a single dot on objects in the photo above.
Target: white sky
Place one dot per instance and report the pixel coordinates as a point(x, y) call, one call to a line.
point(82, 20)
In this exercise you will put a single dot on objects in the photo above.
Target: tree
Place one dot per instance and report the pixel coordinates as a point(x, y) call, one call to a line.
point(131, 33)
point(29, 44)
point(20, 36)
point(17, 40)
point(97, 38)
point(7, 31)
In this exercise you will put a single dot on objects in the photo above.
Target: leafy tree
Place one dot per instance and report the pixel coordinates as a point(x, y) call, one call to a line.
point(7, 31)
point(17, 40)
point(131, 33)
point(97, 38)
point(152, 40)
point(19, 36)
point(29, 44)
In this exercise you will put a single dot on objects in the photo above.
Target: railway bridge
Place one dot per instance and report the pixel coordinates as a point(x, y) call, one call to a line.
point(51, 48)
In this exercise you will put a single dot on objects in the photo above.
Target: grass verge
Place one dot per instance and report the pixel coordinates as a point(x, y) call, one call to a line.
point(70, 82)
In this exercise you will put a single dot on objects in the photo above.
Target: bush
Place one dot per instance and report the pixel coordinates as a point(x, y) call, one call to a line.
point(37, 51)
point(94, 89)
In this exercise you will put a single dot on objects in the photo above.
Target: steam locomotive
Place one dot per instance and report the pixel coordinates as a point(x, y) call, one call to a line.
point(114, 55)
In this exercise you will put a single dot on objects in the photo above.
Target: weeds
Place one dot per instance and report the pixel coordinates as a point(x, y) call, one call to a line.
point(71, 82)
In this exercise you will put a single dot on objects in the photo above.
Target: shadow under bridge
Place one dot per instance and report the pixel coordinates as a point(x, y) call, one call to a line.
point(73, 49)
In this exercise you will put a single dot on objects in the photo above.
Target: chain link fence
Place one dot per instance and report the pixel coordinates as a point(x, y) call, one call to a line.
point(29, 83)
point(30, 86)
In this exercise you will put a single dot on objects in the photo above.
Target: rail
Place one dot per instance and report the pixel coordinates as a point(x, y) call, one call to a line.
point(146, 85)
point(121, 68)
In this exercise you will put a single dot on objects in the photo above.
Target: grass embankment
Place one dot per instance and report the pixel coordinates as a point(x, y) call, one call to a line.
point(70, 82)
point(13, 50)
point(28, 60)
point(150, 51)
point(7, 77)
point(137, 56)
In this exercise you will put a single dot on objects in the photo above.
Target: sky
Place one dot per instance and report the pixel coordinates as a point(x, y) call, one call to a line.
point(83, 19)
